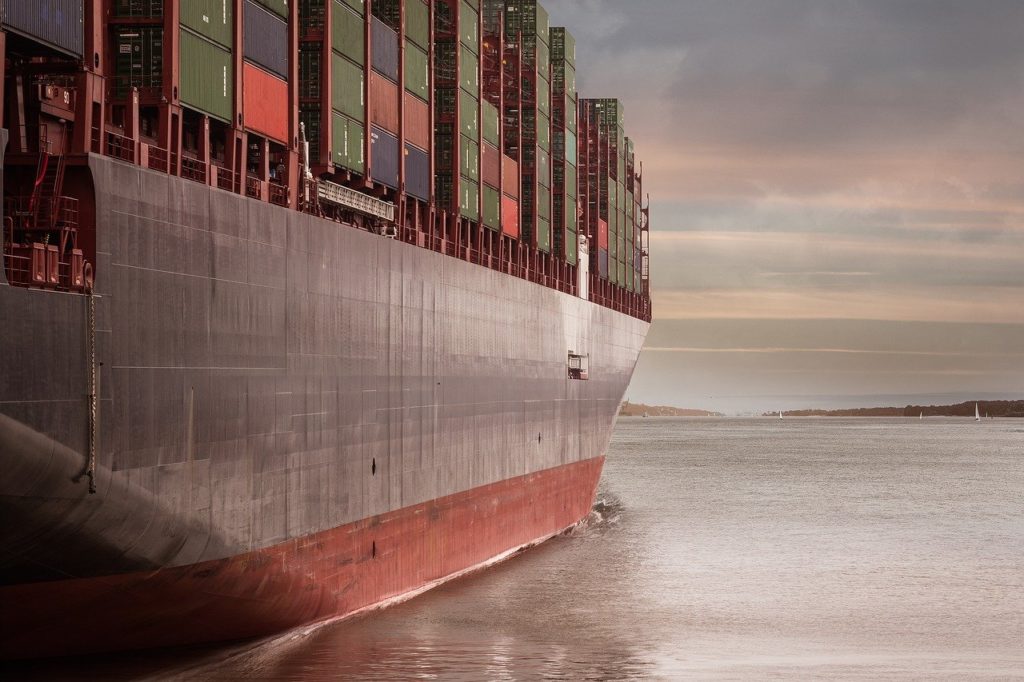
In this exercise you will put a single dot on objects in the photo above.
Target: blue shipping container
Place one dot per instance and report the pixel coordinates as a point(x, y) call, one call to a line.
point(385, 49)
point(265, 39)
point(58, 23)
point(384, 157)
point(417, 172)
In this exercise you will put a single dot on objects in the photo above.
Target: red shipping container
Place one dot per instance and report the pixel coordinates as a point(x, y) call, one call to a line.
point(383, 103)
point(265, 103)
point(490, 161)
point(510, 171)
point(510, 216)
point(602, 234)
point(417, 121)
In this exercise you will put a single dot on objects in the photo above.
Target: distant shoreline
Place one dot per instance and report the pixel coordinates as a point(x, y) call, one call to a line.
point(628, 409)
point(986, 408)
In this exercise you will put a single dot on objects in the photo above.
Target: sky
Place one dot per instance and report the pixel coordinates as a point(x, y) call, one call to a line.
point(837, 195)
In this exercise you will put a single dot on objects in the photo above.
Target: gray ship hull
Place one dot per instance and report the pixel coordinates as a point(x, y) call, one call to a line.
point(268, 381)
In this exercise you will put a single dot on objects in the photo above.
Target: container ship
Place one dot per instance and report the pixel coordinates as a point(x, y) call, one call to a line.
point(308, 306)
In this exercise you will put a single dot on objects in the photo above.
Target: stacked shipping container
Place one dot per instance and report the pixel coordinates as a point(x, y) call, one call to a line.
point(464, 110)
point(563, 153)
point(457, 107)
point(528, 117)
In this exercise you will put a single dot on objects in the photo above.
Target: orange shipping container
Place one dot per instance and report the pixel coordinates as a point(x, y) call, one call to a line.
point(602, 234)
point(265, 103)
point(417, 121)
point(510, 216)
point(510, 171)
point(490, 161)
point(383, 103)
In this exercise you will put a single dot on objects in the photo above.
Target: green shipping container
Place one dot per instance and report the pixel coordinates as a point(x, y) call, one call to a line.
point(543, 132)
point(543, 24)
point(206, 74)
point(347, 87)
point(543, 96)
point(622, 273)
point(570, 182)
point(209, 18)
point(571, 219)
point(279, 7)
point(469, 76)
point(348, 143)
point(571, 117)
point(544, 203)
point(572, 248)
point(469, 153)
point(563, 44)
point(469, 32)
point(348, 33)
point(417, 75)
point(469, 202)
point(357, 5)
point(491, 123)
point(492, 208)
point(417, 22)
point(468, 114)
point(543, 235)
point(543, 167)
point(543, 60)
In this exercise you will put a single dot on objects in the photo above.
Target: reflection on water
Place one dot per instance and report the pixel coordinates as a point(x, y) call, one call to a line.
point(720, 548)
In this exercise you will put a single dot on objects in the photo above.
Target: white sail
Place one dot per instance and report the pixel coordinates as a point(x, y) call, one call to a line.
point(977, 416)
point(922, 416)
point(780, 414)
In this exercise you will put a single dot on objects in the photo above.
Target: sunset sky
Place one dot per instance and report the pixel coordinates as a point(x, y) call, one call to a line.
point(837, 193)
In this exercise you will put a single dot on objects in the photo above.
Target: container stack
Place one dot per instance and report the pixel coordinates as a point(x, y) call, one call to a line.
point(459, 118)
point(332, 66)
point(528, 117)
point(457, 109)
point(417, 123)
point(563, 145)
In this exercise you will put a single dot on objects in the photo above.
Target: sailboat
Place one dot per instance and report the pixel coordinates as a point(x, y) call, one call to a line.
point(922, 416)
point(977, 415)
point(780, 414)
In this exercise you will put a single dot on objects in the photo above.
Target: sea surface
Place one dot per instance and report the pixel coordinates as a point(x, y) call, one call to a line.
point(717, 549)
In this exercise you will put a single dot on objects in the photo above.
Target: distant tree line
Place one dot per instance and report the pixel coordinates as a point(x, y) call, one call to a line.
point(991, 408)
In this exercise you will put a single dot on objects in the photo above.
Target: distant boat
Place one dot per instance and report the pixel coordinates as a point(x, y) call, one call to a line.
point(922, 416)
point(977, 415)
point(780, 414)
point(645, 415)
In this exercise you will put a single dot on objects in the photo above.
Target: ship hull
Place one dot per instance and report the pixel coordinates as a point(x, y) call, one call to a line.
point(276, 393)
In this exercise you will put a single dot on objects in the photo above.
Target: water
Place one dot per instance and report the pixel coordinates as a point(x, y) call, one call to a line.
point(722, 548)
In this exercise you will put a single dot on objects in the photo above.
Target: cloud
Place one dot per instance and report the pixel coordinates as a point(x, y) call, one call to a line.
point(809, 160)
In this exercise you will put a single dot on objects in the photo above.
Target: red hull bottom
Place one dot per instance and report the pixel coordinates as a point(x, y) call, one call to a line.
point(324, 575)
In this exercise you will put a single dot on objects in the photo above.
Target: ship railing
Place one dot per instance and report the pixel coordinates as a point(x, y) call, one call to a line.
point(119, 147)
point(159, 159)
point(278, 194)
point(253, 187)
point(193, 169)
point(225, 178)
